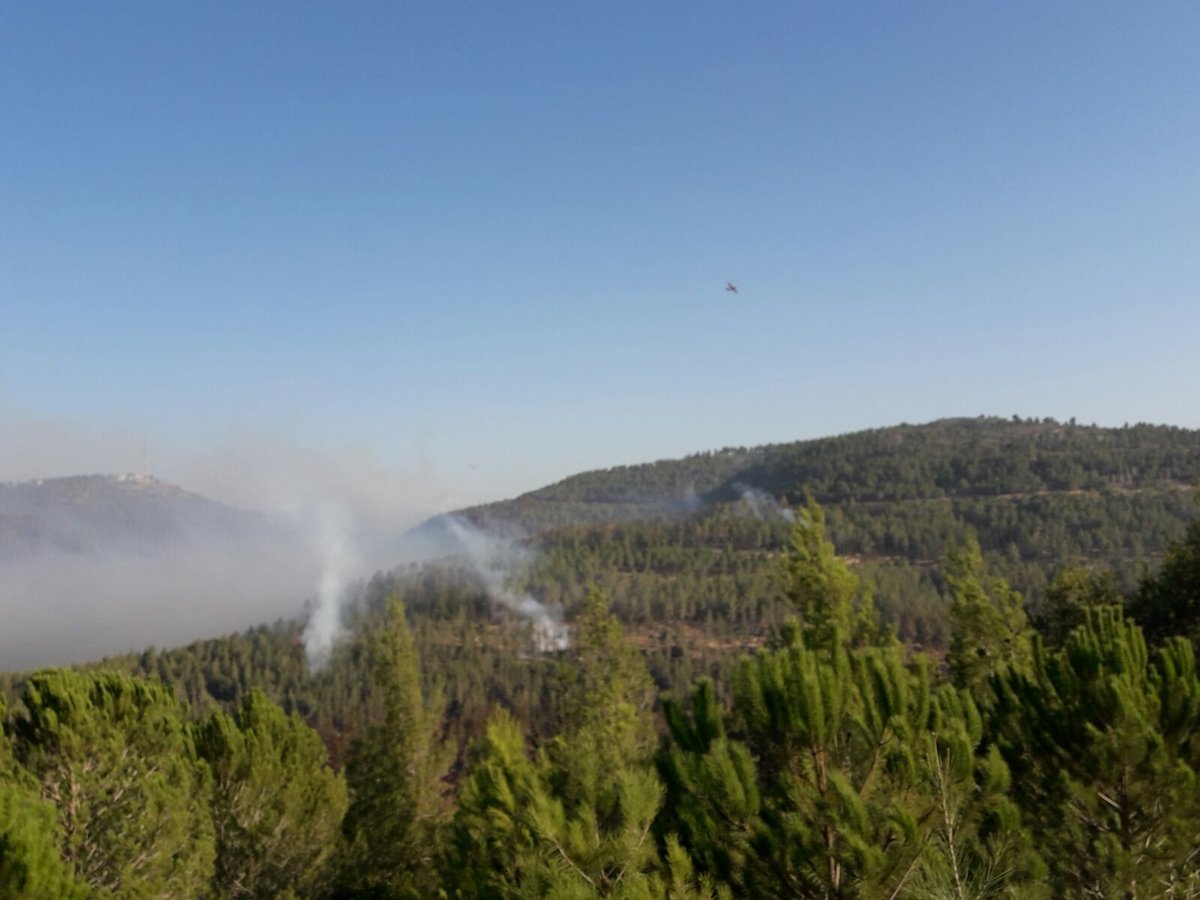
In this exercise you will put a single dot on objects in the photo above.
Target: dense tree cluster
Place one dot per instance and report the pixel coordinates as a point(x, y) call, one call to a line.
point(830, 761)
point(949, 459)
point(697, 584)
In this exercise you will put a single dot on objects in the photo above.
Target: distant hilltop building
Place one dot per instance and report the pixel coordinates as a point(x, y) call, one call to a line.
point(137, 478)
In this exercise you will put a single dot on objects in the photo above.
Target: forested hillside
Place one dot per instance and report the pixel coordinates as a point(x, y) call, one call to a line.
point(689, 539)
point(953, 537)
point(687, 552)
point(947, 459)
point(831, 761)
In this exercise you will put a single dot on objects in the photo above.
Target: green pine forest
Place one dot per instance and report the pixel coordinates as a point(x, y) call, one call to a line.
point(941, 661)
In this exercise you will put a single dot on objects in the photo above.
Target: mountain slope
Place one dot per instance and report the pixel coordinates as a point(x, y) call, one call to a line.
point(97, 514)
point(942, 460)
point(688, 550)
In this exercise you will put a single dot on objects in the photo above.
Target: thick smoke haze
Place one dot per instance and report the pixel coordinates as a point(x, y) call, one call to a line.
point(60, 608)
point(338, 514)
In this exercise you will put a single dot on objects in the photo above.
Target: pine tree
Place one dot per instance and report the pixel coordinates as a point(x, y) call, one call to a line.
point(606, 705)
point(574, 822)
point(836, 737)
point(30, 838)
point(831, 602)
point(30, 841)
point(493, 846)
point(988, 627)
point(1104, 744)
point(799, 804)
point(277, 808)
point(1073, 592)
point(978, 847)
point(1168, 603)
point(113, 754)
point(836, 774)
point(397, 807)
point(712, 792)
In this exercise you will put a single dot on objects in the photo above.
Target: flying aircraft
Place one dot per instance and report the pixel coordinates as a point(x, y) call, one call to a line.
point(730, 286)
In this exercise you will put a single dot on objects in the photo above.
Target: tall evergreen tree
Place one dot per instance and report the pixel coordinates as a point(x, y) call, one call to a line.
point(493, 847)
point(836, 736)
point(830, 600)
point(1104, 744)
point(988, 627)
point(397, 804)
point(1074, 591)
point(978, 846)
point(30, 838)
point(114, 756)
point(1167, 603)
point(30, 842)
point(824, 791)
point(606, 704)
point(712, 791)
point(842, 777)
point(277, 807)
point(575, 822)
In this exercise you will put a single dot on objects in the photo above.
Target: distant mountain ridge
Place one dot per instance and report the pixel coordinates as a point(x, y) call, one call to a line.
point(954, 458)
point(94, 514)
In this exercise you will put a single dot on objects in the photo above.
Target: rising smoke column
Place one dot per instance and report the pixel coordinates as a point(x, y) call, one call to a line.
point(762, 505)
point(334, 549)
point(495, 561)
point(491, 559)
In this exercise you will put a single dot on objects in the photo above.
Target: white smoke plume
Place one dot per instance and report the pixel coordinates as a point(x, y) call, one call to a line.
point(691, 502)
point(334, 547)
point(495, 561)
point(762, 505)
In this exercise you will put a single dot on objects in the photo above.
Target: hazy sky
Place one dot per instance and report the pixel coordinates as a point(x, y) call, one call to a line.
point(483, 246)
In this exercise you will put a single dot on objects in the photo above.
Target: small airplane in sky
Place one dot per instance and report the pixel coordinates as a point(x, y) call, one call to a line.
point(730, 286)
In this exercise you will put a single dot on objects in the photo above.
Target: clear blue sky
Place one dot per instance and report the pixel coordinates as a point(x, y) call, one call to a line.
point(490, 241)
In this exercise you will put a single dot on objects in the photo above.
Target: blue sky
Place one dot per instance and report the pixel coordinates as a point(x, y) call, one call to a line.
point(486, 244)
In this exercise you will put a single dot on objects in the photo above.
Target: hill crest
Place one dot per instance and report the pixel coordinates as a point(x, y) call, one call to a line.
point(90, 514)
point(947, 458)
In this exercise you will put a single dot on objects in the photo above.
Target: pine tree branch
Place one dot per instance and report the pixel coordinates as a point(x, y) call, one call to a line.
point(570, 862)
point(948, 820)
point(636, 847)
point(907, 873)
